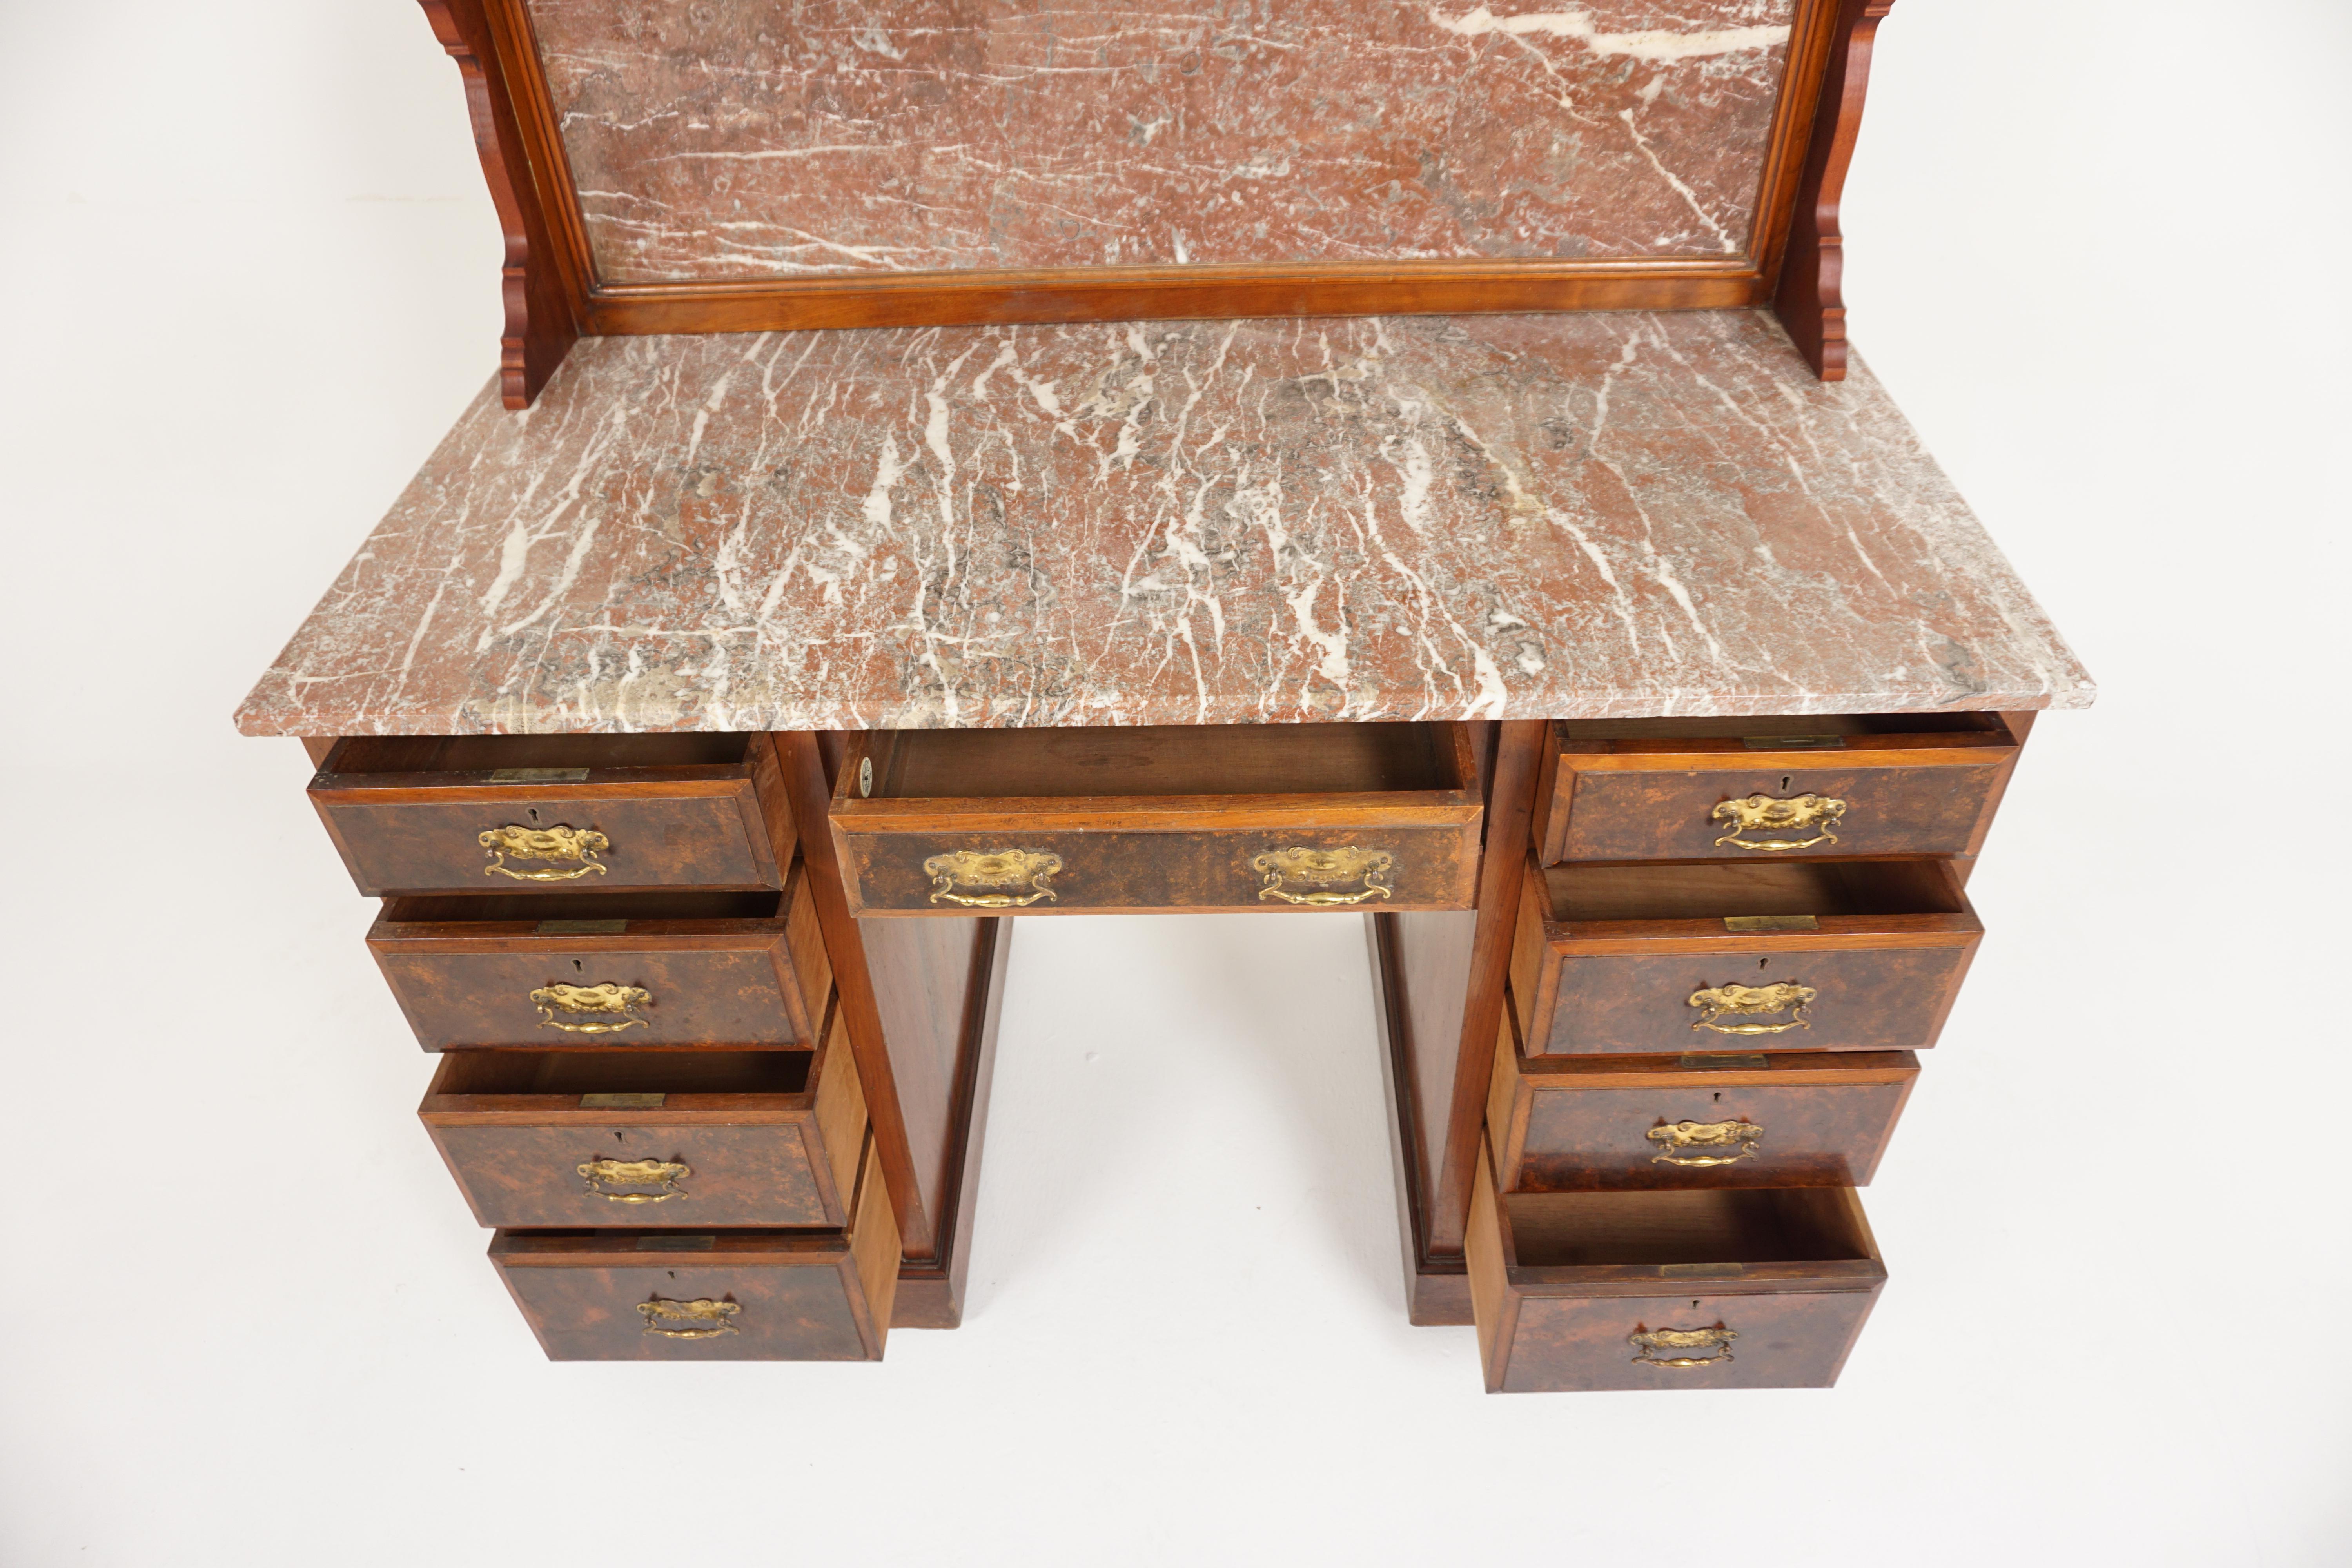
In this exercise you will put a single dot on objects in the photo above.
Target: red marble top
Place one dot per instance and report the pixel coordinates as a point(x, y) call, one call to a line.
point(1172, 522)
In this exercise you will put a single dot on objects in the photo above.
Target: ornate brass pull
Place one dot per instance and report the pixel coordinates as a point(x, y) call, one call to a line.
point(998, 868)
point(1645, 1342)
point(1751, 1001)
point(582, 845)
point(1676, 1141)
point(599, 1005)
point(1763, 813)
point(1320, 869)
point(708, 1318)
point(663, 1175)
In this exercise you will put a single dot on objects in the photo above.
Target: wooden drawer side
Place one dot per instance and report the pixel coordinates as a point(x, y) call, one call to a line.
point(874, 1247)
point(1535, 977)
point(1493, 1305)
point(837, 1125)
point(1508, 1104)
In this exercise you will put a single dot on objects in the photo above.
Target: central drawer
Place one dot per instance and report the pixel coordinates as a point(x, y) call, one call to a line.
point(650, 1138)
point(621, 969)
point(741, 1295)
point(1291, 817)
point(1695, 1289)
point(552, 814)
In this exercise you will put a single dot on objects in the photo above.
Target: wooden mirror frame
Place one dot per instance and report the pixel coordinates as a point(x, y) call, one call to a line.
point(552, 296)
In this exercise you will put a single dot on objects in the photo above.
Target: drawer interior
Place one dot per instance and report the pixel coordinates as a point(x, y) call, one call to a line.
point(1780, 724)
point(488, 753)
point(1251, 759)
point(1712, 890)
point(1770, 1225)
point(763, 1244)
point(574, 1073)
point(1700, 1070)
point(539, 908)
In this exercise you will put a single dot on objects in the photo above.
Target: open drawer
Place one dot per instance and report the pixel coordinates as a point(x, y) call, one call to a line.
point(1275, 817)
point(741, 1295)
point(1687, 1289)
point(621, 969)
point(1737, 789)
point(438, 814)
point(1854, 955)
point(650, 1138)
point(1811, 1118)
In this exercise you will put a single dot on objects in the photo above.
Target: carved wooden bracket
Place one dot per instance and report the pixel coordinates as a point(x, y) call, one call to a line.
point(541, 322)
point(1809, 301)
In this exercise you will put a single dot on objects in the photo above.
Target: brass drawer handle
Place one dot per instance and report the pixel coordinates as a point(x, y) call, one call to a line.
point(663, 1175)
point(558, 843)
point(708, 1318)
point(1751, 1001)
point(997, 868)
point(1718, 1340)
point(1763, 813)
point(1320, 869)
point(1677, 1141)
point(599, 1005)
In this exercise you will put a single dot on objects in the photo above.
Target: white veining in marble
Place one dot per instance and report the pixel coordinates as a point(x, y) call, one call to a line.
point(1172, 522)
point(729, 140)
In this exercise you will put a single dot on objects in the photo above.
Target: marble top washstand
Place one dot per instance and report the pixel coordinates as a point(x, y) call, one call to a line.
point(1172, 522)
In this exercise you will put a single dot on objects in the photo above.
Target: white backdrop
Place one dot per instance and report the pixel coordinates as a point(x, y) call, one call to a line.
point(250, 274)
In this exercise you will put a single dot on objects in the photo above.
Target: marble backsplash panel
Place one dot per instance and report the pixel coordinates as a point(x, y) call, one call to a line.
point(734, 140)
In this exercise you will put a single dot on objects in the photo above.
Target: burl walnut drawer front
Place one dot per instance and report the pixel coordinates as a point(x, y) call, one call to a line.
point(625, 969)
point(1629, 1123)
point(1743, 1288)
point(1734, 789)
point(547, 813)
point(1315, 816)
point(650, 1138)
point(1857, 955)
point(743, 1295)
